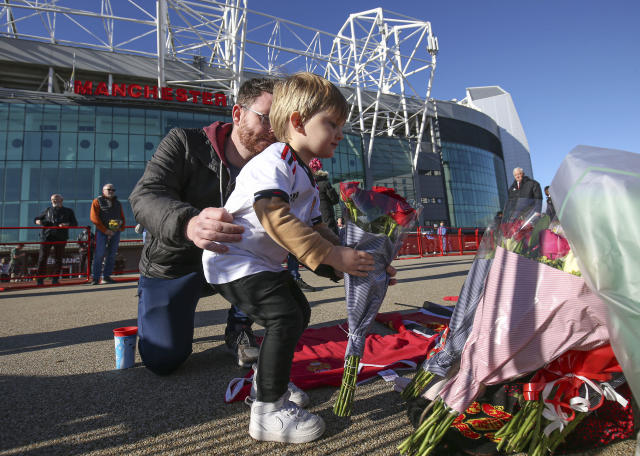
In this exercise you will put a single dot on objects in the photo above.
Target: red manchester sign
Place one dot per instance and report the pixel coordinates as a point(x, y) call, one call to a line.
point(146, 91)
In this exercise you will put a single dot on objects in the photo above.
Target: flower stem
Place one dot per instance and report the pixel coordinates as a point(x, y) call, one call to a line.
point(417, 384)
point(342, 406)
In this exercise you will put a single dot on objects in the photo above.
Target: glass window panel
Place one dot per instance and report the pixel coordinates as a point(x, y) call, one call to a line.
point(85, 188)
point(32, 145)
point(4, 116)
point(3, 146)
point(50, 145)
point(51, 118)
point(30, 189)
point(33, 117)
point(104, 119)
point(49, 183)
point(153, 122)
point(120, 120)
point(119, 147)
point(86, 119)
point(69, 118)
point(10, 217)
point(136, 121)
point(104, 142)
point(12, 181)
point(66, 175)
point(136, 148)
point(2, 171)
point(86, 146)
point(150, 145)
point(16, 117)
point(68, 146)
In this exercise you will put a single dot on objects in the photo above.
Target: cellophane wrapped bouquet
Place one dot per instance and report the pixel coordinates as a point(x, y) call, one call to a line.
point(534, 308)
point(377, 222)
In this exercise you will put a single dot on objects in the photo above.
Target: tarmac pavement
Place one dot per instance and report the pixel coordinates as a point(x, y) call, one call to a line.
point(61, 395)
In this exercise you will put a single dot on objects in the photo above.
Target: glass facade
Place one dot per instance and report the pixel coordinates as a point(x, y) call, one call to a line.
point(74, 150)
point(475, 184)
point(391, 166)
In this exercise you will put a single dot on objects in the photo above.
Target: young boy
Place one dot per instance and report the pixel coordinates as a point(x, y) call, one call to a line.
point(276, 201)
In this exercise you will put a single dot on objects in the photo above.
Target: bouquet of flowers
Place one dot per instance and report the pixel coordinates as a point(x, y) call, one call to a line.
point(442, 359)
point(377, 221)
point(529, 315)
point(114, 224)
point(559, 396)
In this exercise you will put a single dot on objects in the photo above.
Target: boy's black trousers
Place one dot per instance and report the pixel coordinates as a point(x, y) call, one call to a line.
point(274, 301)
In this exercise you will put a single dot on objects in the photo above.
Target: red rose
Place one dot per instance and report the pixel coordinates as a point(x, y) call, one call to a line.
point(347, 189)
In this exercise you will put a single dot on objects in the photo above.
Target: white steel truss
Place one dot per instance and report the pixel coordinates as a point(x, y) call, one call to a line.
point(384, 61)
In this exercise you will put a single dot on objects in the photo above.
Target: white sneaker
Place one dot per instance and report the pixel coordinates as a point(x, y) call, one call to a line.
point(284, 421)
point(296, 395)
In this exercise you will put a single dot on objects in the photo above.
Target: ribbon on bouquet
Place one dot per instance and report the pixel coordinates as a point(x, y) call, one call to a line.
point(570, 384)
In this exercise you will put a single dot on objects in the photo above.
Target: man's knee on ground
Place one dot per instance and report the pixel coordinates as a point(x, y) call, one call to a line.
point(161, 361)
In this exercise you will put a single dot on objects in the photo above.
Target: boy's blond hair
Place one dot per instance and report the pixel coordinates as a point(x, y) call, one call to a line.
point(308, 94)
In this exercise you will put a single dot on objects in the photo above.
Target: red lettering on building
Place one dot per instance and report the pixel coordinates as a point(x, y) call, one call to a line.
point(151, 92)
point(135, 91)
point(220, 99)
point(181, 95)
point(166, 93)
point(194, 94)
point(119, 90)
point(101, 89)
point(83, 89)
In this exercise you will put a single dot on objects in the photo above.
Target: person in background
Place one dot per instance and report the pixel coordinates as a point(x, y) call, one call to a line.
point(4, 270)
point(442, 235)
point(179, 201)
point(108, 217)
point(18, 263)
point(551, 210)
point(523, 192)
point(293, 266)
point(54, 216)
point(328, 195)
point(340, 225)
point(84, 258)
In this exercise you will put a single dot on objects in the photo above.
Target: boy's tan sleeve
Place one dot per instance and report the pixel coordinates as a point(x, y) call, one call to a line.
point(308, 245)
point(327, 233)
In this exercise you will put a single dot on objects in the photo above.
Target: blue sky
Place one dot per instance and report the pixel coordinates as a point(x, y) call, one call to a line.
point(572, 67)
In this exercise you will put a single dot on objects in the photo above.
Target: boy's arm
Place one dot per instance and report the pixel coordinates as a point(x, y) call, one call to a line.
point(308, 245)
point(327, 233)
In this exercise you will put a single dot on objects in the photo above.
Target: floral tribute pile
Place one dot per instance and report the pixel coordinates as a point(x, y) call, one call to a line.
point(535, 314)
point(377, 222)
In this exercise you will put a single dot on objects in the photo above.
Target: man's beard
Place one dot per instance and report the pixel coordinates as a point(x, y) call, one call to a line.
point(255, 143)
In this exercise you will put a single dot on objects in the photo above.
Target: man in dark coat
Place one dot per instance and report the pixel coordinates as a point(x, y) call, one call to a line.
point(551, 210)
point(524, 193)
point(328, 195)
point(55, 216)
point(180, 202)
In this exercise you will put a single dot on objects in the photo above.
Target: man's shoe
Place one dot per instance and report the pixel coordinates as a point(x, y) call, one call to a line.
point(304, 286)
point(108, 280)
point(284, 421)
point(39, 281)
point(242, 343)
point(94, 282)
point(55, 281)
point(296, 395)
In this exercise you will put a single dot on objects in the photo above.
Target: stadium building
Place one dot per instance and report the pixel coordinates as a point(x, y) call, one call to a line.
point(87, 99)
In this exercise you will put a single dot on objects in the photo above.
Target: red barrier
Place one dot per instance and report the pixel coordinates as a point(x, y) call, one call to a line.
point(26, 273)
point(424, 242)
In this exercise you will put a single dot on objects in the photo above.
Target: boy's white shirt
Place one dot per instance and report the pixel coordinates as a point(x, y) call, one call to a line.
point(276, 168)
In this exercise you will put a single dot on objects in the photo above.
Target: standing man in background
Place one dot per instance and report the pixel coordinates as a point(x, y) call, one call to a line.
point(59, 216)
point(442, 234)
point(108, 217)
point(524, 192)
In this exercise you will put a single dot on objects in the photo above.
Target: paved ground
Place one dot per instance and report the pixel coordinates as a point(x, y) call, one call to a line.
point(61, 396)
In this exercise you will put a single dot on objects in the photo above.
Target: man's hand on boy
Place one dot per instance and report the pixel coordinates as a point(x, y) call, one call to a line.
point(351, 261)
point(211, 226)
